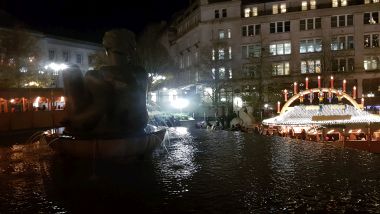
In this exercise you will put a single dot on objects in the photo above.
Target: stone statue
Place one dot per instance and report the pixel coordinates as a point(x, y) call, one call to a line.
point(111, 101)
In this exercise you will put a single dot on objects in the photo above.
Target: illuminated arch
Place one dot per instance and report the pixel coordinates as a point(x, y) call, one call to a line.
point(315, 90)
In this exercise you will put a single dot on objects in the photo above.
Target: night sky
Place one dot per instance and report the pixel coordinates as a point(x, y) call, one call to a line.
point(88, 20)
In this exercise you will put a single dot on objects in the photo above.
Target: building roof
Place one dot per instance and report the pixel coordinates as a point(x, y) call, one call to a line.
point(323, 115)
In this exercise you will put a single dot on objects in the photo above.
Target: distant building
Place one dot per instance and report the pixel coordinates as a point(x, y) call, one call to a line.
point(67, 51)
point(243, 47)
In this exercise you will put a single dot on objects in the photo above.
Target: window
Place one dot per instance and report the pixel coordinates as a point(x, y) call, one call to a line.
point(222, 73)
point(371, 1)
point(371, 63)
point(371, 40)
point(51, 55)
point(337, 3)
point(65, 56)
point(304, 5)
point(342, 21)
point(280, 48)
point(249, 12)
point(279, 27)
point(79, 58)
point(221, 53)
point(283, 8)
point(224, 13)
point(213, 54)
point(221, 34)
point(343, 65)
point(250, 70)
point(310, 45)
point(310, 24)
point(280, 68)
point(371, 18)
point(229, 33)
point(275, 9)
point(251, 30)
point(313, 4)
point(230, 52)
point(217, 14)
point(311, 66)
point(251, 50)
point(342, 42)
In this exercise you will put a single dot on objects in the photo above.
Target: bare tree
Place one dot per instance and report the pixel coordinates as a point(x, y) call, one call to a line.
point(153, 55)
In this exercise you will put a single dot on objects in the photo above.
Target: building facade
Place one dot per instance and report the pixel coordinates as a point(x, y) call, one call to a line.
point(251, 48)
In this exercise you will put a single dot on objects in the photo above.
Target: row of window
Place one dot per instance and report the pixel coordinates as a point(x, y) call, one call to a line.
point(344, 42)
point(313, 66)
point(305, 5)
point(65, 56)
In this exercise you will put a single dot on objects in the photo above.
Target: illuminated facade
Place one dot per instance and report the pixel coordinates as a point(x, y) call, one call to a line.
point(254, 47)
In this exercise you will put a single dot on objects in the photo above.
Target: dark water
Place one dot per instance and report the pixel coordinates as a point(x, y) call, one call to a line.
point(197, 172)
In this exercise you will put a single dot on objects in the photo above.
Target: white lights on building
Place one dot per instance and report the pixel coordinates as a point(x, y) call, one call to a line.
point(56, 67)
point(208, 91)
point(172, 95)
point(238, 102)
point(36, 101)
point(153, 97)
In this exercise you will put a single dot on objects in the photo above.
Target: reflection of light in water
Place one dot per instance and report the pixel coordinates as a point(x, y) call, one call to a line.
point(178, 164)
point(181, 131)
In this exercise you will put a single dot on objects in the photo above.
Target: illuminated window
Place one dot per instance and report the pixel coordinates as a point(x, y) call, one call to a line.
point(275, 9)
point(213, 54)
point(280, 48)
point(221, 53)
point(229, 33)
point(335, 3)
point(304, 5)
point(311, 66)
point(254, 11)
point(313, 4)
point(280, 68)
point(283, 8)
point(230, 52)
point(371, 63)
point(247, 12)
point(221, 34)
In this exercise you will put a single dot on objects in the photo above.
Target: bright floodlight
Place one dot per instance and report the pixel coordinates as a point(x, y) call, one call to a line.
point(180, 103)
point(56, 67)
point(238, 102)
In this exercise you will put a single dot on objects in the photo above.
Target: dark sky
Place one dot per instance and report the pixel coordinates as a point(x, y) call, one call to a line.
point(88, 20)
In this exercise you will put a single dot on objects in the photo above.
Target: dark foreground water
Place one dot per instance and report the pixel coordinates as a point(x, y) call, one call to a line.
point(200, 172)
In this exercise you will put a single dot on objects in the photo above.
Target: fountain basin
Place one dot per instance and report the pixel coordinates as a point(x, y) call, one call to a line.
point(117, 149)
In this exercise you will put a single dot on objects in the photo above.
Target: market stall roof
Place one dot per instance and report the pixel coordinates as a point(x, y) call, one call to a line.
point(323, 115)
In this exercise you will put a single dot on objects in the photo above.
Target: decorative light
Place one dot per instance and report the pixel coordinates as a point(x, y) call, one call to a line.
point(295, 87)
point(278, 107)
point(286, 95)
point(319, 81)
point(354, 93)
point(12, 100)
point(344, 85)
point(62, 99)
point(331, 82)
point(307, 83)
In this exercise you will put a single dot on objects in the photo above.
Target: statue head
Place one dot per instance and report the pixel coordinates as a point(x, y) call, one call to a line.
point(120, 41)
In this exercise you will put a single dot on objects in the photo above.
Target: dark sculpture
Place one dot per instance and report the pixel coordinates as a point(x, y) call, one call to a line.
point(111, 101)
